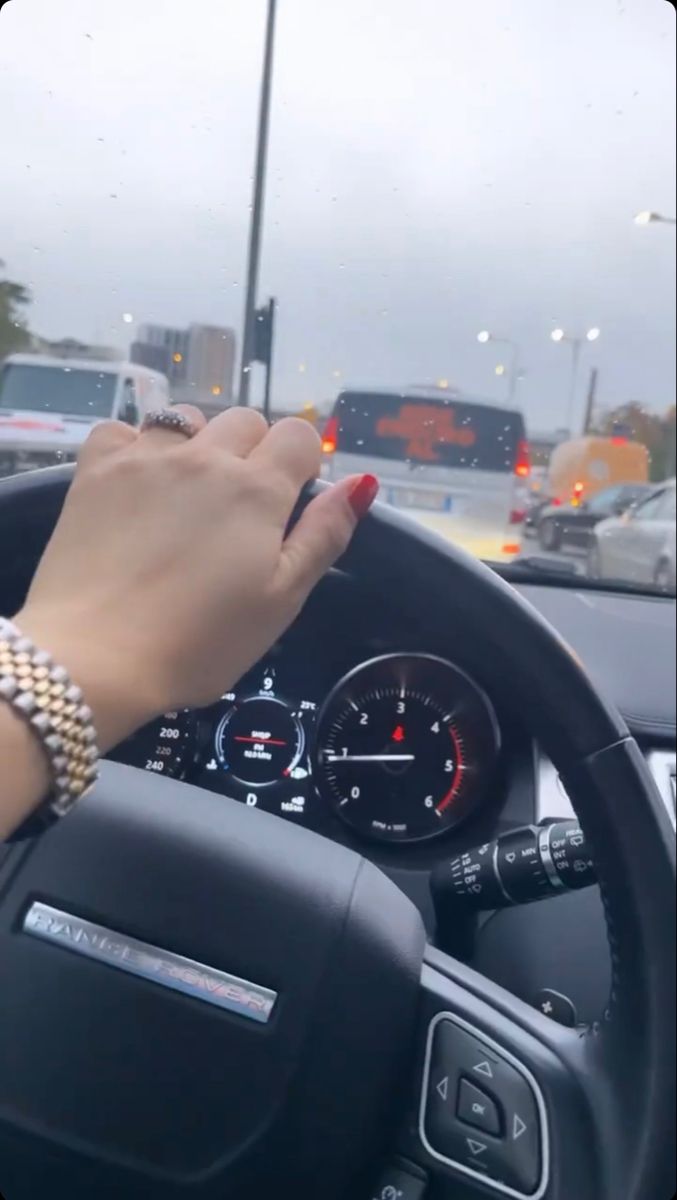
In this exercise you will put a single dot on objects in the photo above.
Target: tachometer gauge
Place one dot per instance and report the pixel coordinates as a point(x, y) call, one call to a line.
point(165, 746)
point(405, 747)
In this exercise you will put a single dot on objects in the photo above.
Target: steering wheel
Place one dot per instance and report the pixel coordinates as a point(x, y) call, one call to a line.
point(199, 1001)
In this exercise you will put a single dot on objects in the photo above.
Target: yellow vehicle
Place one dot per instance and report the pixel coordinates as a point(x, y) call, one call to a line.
point(581, 468)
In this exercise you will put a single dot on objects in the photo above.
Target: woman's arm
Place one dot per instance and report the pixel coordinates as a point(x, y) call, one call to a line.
point(169, 573)
point(24, 777)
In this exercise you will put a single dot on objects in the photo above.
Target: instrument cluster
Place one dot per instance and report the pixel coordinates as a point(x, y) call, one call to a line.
point(398, 749)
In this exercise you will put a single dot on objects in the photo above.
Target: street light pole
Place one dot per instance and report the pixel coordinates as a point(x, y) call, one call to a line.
point(514, 369)
point(254, 252)
point(575, 364)
point(513, 378)
point(576, 343)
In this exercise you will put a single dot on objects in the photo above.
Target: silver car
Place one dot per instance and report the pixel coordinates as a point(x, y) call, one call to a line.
point(638, 547)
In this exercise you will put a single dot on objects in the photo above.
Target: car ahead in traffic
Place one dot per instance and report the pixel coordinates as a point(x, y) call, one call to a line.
point(456, 464)
point(640, 545)
point(49, 405)
point(572, 524)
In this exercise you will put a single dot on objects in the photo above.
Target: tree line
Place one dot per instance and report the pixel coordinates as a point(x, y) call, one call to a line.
point(14, 300)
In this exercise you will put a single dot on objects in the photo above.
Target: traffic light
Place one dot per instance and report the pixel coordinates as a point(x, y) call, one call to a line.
point(264, 320)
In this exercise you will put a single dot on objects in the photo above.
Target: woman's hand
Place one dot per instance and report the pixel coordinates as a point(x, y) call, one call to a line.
point(168, 574)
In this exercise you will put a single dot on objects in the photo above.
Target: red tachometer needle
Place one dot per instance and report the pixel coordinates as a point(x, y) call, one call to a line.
point(265, 741)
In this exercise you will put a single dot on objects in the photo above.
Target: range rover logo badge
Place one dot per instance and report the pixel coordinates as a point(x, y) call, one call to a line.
point(158, 966)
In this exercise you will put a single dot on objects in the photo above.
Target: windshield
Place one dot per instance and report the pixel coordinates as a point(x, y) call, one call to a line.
point(616, 499)
point(446, 237)
point(57, 390)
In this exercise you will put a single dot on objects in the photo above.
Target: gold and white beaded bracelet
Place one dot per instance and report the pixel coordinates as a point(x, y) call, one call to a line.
point(43, 693)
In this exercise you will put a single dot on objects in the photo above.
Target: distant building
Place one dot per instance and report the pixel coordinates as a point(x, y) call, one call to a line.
point(163, 348)
point(199, 362)
point(147, 355)
point(210, 369)
point(72, 348)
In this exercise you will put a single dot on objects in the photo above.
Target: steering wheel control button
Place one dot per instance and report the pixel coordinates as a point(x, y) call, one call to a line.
point(478, 1109)
point(401, 1182)
point(481, 1112)
point(556, 1006)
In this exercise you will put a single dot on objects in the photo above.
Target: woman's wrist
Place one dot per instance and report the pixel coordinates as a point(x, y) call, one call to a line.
point(116, 685)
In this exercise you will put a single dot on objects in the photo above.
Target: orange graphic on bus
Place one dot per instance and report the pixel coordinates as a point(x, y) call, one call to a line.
point(425, 426)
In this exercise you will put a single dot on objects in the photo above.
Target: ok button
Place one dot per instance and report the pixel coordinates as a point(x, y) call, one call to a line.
point(477, 1109)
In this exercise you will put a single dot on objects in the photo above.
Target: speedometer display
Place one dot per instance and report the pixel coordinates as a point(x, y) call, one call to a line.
point(406, 746)
point(165, 746)
point(260, 741)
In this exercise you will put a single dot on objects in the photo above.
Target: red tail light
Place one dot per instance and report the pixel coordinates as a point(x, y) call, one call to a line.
point(556, 502)
point(517, 516)
point(330, 436)
point(523, 460)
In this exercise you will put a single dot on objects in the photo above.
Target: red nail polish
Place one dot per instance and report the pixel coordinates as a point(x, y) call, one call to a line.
point(363, 495)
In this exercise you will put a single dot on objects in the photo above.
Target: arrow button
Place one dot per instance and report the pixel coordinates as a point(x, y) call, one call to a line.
point(484, 1068)
point(443, 1087)
point(476, 1148)
point(518, 1127)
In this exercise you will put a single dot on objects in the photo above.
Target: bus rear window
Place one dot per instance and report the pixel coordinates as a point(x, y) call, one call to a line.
point(434, 431)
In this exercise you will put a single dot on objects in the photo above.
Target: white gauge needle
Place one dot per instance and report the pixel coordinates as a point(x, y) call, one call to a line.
point(332, 758)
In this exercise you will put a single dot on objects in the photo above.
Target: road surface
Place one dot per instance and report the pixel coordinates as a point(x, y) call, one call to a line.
point(577, 558)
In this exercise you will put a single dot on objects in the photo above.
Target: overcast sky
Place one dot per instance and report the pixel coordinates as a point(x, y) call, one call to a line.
point(436, 168)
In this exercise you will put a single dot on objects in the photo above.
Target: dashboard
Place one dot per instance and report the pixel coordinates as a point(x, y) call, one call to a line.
point(379, 742)
point(352, 654)
point(289, 738)
point(362, 727)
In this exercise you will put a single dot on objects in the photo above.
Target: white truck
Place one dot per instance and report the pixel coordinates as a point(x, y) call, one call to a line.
point(49, 405)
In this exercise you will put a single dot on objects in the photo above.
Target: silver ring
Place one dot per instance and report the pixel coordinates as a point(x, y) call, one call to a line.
point(167, 418)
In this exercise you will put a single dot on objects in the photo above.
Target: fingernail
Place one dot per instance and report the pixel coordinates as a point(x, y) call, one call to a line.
point(363, 495)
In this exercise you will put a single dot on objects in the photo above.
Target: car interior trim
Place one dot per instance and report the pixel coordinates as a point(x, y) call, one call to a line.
point(495, 1184)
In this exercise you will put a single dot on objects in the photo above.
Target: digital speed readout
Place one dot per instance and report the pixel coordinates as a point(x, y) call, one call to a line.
point(260, 741)
point(256, 745)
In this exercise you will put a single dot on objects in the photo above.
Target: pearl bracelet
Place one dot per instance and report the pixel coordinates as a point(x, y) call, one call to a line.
point(43, 694)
